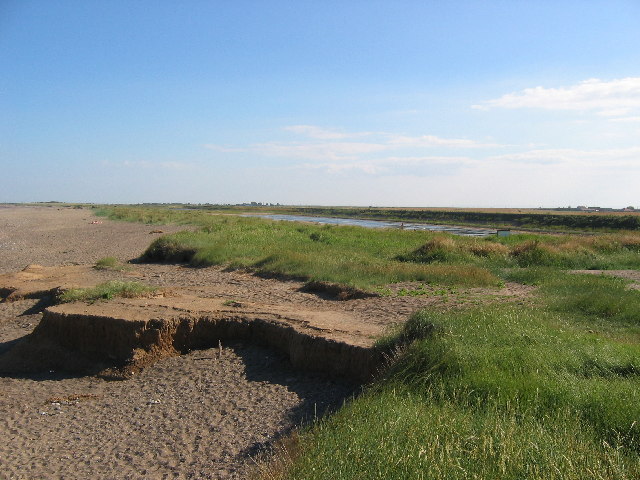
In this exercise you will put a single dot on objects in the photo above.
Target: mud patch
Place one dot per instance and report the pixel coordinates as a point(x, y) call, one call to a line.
point(335, 291)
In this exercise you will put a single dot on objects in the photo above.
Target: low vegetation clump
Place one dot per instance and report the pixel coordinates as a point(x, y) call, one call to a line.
point(528, 250)
point(110, 263)
point(106, 291)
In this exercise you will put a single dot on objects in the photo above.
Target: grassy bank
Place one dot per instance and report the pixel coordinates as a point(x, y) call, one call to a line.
point(366, 257)
point(494, 393)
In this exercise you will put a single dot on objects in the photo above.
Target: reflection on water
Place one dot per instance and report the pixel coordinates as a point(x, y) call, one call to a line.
point(466, 231)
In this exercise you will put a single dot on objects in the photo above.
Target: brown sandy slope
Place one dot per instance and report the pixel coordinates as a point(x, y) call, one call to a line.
point(198, 415)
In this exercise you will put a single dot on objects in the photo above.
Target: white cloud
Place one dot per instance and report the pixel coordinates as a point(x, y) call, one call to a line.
point(366, 167)
point(146, 164)
point(622, 160)
point(223, 148)
point(319, 133)
point(608, 98)
point(386, 138)
point(625, 119)
point(387, 164)
point(434, 160)
point(338, 151)
point(175, 165)
point(391, 140)
point(318, 151)
point(618, 157)
point(330, 144)
point(305, 151)
point(434, 141)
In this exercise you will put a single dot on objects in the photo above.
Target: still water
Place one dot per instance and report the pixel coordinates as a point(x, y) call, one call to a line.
point(466, 231)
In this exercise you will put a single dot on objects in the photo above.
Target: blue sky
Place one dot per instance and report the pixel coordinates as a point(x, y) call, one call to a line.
point(403, 103)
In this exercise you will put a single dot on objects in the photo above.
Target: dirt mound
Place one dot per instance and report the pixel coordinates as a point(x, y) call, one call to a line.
point(336, 291)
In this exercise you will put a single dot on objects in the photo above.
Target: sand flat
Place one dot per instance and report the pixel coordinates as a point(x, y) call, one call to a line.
point(198, 415)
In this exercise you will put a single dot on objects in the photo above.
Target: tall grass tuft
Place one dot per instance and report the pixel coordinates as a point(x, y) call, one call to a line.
point(106, 291)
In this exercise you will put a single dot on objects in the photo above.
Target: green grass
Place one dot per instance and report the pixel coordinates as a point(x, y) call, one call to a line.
point(550, 390)
point(110, 263)
point(398, 434)
point(106, 291)
point(366, 258)
point(488, 393)
point(348, 255)
point(596, 297)
point(497, 392)
point(605, 251)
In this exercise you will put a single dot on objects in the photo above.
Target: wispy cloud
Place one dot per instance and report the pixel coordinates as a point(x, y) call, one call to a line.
point(427, 141)
point(387, 164)
point(339, 150)
point(384, 154)
point(367, 167)
point(625, 119)
point(306, 150)
point(607, 158)
point(320, 133)
point(390, 140)
point(224, 148)
point(608, 98)
point(318, 151)
point(146, 164)
point(622, 159)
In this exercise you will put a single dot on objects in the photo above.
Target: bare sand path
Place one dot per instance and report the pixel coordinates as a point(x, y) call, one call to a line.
point(200, 415)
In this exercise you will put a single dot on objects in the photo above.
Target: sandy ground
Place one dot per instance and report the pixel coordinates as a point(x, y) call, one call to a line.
point(62, 236)
point(199, 415)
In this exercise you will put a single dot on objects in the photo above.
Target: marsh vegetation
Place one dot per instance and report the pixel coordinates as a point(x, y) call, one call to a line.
point(550, 390)
point(527, 218)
